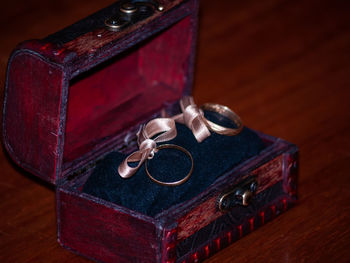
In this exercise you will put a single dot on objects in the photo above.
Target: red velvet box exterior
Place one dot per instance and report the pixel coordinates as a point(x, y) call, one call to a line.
point(61, 91)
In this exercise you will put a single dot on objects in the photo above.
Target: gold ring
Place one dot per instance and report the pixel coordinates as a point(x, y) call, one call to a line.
point(226, 112)
point(183, 180)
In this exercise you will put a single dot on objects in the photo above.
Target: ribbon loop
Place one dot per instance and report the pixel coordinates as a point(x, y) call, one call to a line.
point(190, 113)
point(163, 127)
point(193, 118)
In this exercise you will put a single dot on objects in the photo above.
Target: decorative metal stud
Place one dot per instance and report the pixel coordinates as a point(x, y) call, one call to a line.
point(128, 8)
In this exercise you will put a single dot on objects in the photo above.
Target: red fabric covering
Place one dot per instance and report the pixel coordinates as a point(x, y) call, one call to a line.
point(117, 94)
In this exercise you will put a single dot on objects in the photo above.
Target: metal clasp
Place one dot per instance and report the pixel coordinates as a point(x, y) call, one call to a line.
point(131, 12)
point(241, 194)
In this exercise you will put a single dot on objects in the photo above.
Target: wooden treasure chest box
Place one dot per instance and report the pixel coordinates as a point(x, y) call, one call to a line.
point(74, 102)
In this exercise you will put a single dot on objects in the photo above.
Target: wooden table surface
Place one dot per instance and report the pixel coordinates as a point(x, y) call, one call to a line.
point(284, 66)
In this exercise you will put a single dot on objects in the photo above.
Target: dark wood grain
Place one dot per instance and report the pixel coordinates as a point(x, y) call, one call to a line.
point(282, 65)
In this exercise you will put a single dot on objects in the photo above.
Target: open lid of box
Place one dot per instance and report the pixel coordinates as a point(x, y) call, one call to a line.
point(70, 97)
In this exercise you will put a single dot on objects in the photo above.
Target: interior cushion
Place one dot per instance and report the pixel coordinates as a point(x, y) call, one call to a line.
point(214, 156)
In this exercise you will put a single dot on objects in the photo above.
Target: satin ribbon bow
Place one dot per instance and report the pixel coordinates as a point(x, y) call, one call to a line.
point(166, 129)
point(193, 118)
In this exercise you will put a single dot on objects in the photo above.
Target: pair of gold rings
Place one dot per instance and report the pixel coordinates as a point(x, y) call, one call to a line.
point(220, 109)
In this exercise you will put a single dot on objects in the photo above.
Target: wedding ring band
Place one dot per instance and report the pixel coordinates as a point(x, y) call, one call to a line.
point(226, 112)
point(175, 183)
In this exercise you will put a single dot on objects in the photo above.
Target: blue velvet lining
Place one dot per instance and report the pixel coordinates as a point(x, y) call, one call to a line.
point(213, 157)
